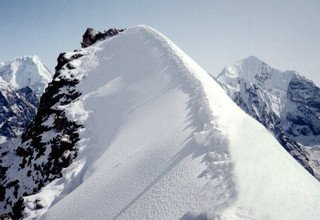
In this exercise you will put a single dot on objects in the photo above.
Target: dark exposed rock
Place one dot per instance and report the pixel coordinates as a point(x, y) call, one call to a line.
point(18, 108)
point(41, 161)
point(306, 95)
point(17, 209)
point(33, 148)
point(91, 36)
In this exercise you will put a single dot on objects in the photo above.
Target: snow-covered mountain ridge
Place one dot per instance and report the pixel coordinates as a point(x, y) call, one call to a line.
point(22, 82)
point(286, 103)
point(47, 146)
point(132, 128)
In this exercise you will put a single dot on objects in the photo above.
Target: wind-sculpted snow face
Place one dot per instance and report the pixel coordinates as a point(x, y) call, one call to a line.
point(159, 133)
point(142, 123)
point(133, 128)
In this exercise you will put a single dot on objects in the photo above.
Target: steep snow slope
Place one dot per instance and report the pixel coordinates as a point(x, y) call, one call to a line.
point(161, 140)
point(284, 102)
point(22, 82)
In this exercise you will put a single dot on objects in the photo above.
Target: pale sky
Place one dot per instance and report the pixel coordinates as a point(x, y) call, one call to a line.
point(283, 33)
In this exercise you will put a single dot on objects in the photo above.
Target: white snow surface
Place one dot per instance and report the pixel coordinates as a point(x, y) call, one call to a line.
point(25, 71)
point(161, 140)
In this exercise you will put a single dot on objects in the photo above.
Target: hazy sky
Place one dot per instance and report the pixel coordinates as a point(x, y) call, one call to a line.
point(285, 34)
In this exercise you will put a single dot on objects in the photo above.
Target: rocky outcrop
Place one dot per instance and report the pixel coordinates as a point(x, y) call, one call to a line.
point(46, 147)
point(91, 36)
point(38, 160)
point(18, 109)
point(306, 117)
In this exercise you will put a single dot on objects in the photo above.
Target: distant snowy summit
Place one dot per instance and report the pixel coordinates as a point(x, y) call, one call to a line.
point(22, 82)
point(23, 72)
point(286, 103)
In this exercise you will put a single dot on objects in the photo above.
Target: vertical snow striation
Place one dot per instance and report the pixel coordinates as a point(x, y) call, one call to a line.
point(132, 128)
point(161, 134)
point(147, 123)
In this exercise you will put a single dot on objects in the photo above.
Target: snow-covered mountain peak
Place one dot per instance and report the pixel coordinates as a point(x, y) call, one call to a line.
point(22, 82)
point(252, 71)
point(283, 101)
point(132, 128)
point(246, 68)
point(27, 71)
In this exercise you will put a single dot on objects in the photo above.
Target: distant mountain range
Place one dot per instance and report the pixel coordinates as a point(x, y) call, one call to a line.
point(22, 82)
point(286, 103)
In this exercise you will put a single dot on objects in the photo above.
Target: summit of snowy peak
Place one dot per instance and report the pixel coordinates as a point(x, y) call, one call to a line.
point(246, 69)
point(26, 71)
point(132, 121)
point(162, 94)
point(251, 60)
point(252, 70)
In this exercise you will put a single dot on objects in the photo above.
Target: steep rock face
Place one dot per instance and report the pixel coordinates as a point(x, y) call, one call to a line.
point(22, 82)
point(284, 102)
point(46, 147)
point(41, 155)
point(18, 108)
point(305, 118)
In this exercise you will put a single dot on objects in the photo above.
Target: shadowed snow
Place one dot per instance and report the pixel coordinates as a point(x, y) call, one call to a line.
point(161, 140)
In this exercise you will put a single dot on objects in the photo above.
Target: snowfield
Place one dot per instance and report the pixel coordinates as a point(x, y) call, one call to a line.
point(162, 140)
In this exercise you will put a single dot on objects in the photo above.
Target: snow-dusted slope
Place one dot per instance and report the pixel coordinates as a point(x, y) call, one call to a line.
point(22, 82)
point(159, 139)
point(285, 102)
